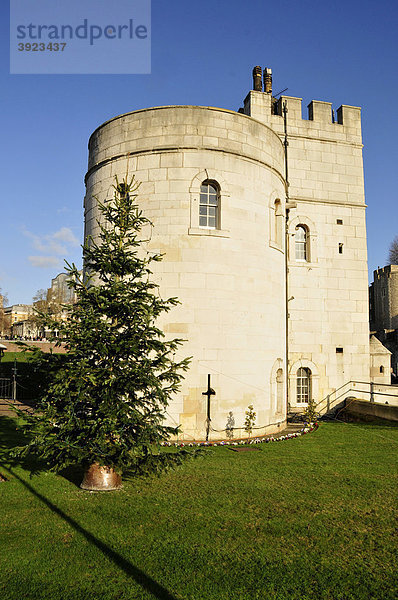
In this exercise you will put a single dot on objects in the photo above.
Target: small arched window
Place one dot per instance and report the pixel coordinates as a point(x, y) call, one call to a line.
point(303, 385)
point(278, 223)
point(301, 243)
point(209, 205)
point(381, 369)
point(279, 391)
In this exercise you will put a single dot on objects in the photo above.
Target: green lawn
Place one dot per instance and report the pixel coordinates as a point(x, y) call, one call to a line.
point(306, 518)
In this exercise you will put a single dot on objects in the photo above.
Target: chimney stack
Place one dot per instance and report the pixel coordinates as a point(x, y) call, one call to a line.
point(267, 80)
point(257, 79)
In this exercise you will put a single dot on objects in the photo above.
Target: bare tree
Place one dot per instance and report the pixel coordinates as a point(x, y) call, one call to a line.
point(393, 252)
point(5, 322)
point(40, 301)
point(47, 304)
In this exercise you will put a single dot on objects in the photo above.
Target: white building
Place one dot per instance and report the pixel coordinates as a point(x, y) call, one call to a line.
point(217, 188)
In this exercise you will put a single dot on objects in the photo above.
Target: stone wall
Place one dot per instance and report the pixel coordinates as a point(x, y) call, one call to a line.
point(12, 346)
point(328, 294)
point(230, 280)
point(360, 410)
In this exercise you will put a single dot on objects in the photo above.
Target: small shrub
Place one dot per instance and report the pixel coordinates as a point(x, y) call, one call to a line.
point(310, 413)
point(250, 419)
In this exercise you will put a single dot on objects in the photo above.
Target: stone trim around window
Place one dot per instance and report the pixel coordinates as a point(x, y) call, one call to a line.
point(208, 175)
point(304, 363)
point(311, 247)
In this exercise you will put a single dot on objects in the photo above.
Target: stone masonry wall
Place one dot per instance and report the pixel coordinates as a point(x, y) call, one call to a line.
point(230, 280)
point(329, 331)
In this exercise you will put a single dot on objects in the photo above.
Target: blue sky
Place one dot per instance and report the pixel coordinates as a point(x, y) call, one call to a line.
point(202, 53)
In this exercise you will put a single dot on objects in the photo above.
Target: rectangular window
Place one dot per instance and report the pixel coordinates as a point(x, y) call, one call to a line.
point(340, 248)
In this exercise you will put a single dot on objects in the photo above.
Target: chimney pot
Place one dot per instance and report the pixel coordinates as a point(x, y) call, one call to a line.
point(257, 79)
point(267, 80)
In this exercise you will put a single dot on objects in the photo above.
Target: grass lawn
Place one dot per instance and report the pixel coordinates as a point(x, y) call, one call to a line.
point(306, 518)
point(7, 363)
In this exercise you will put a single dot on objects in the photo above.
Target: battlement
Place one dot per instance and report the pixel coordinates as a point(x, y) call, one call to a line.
point(321, 121)
point(385, 272)
point(324, 146)
point(320, 112)
point(321, 118)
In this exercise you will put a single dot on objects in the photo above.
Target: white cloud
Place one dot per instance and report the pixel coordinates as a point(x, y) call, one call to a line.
point(66, 235)
point(44, 262)
point(52, 245)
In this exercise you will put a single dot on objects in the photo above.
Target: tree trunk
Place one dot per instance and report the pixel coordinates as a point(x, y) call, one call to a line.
point(101, 479)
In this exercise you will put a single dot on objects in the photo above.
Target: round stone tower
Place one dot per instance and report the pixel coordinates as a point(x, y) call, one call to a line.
point(213, 187)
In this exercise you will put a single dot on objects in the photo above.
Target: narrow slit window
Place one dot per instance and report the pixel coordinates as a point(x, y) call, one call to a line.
point(278, 223)
point(341, 248)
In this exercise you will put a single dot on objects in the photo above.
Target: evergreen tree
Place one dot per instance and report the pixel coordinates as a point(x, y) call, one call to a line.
point(104, 400)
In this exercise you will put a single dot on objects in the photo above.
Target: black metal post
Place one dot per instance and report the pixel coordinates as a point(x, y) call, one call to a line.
point(286, 143)
point(14, 380)
point(372, 393)
point(209, 392)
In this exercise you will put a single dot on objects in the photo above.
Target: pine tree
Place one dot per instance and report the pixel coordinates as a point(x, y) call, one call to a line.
point(104, 400)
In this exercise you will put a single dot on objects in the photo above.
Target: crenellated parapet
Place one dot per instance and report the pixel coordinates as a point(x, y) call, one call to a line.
point(320, 121)
point(324, 145)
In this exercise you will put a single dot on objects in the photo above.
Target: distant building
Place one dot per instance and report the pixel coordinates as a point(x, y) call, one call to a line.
point(27, 329)
point(18, 312)
point(59, 291)
point(19, 320)
point(383, 299)
point(383, 310)
point(380, 361)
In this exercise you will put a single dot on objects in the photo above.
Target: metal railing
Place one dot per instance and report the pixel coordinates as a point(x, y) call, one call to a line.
point(332, 400)
point(7, 389)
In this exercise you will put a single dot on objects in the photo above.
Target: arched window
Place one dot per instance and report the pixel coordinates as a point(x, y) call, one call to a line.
point(301, 243)
point(209, 205)
point(278, 223)
point(303, 385)
point(279, 391)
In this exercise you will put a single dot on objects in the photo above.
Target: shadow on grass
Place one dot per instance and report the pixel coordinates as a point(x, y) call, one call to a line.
point(146, 582)
point(11, 437)
point(369, 423)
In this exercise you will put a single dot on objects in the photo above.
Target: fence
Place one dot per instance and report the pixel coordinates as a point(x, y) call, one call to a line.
point(7, 389)
point(362, 390)
point(12, 393)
